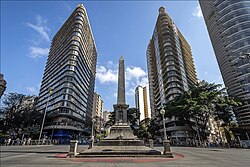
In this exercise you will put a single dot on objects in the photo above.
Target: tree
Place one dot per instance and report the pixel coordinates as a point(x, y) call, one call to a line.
point(19, 115)
point(111, 120)
point(132, 115)
point(195, 106)
point(32, 130)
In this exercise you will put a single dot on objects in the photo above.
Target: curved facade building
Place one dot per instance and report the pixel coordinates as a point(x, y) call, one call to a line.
point(67, 87)
point(170, 63)
point(171, 71)
point(228, 24)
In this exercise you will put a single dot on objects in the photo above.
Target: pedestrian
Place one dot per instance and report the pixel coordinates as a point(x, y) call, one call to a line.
point(29, 141)
point(24, 141)
point(9, 141)
point(18, 141)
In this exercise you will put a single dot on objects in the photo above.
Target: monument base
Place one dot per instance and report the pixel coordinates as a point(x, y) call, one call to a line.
point(121, 142)
point(120, 135)
point(123, 151)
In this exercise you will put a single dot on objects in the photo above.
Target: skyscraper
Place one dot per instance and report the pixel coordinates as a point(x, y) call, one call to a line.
point(228, 24)
point(171, 71)
point(170, 63)
point(67, 88)
point(142, 102)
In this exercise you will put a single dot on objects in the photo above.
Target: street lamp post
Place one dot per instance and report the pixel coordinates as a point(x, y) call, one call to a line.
point(44, 116)
point(166, 142)
point(92, 134)
point(162, 111)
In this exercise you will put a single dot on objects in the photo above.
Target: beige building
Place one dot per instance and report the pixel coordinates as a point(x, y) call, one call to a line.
point(97, 111)
point(97, 106)
point(142, 102)
point(228, 24)
point(171, 71)
point(170, 63)
point(105, 116)
point(216, 132)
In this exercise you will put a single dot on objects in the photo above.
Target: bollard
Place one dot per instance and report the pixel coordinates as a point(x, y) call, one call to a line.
point(151, 143)
point(166, 145)
point(91, 144)
point(73, 148)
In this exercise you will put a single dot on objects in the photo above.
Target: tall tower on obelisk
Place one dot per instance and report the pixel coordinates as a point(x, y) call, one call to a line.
point(121, 99)
point(121, 107)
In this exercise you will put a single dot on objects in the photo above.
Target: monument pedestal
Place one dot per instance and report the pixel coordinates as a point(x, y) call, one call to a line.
point(121, 142)
point(120, 135)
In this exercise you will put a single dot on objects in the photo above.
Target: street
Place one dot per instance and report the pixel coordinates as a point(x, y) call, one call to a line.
point(39, 156)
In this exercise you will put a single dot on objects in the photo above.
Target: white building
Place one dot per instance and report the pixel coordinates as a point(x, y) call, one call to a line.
point(142, 102)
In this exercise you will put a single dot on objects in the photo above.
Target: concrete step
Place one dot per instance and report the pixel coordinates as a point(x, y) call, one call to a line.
point(151, 152)
point(170, 155)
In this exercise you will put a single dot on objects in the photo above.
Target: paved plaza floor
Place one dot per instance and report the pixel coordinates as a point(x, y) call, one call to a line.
point(41, 156)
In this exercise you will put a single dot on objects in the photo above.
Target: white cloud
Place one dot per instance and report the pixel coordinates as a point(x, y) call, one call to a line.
point(197, 12)
point(40, 27)
point(143, 81)
point(106, 75)
point(32, 90)
point(37, 52)
point(134, 76)
point(134, 73)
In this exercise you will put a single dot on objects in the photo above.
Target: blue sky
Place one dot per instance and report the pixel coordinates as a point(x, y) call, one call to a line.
point(119, 28)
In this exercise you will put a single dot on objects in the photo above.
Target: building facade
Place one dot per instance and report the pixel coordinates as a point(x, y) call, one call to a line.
point(97, 111)
point(67, 87)
point(228, 24)
point(142, 102)
point(105, 116)
point(3, 84)
point(171, 70)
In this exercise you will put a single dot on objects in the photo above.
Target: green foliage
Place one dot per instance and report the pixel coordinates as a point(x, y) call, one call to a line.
point(195, 106)
point(111, 120)
point(148, 129)
point(32, 130)
point(132, 116)
point(19, 115)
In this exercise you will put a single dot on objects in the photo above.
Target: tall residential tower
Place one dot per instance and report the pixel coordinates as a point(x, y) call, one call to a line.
point(67, 87)
point(171, 71)
point(170, 63)
point(228, 24)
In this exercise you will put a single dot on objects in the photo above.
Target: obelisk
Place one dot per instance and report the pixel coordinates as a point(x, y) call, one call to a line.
point(121, 107)
point(121, 83)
